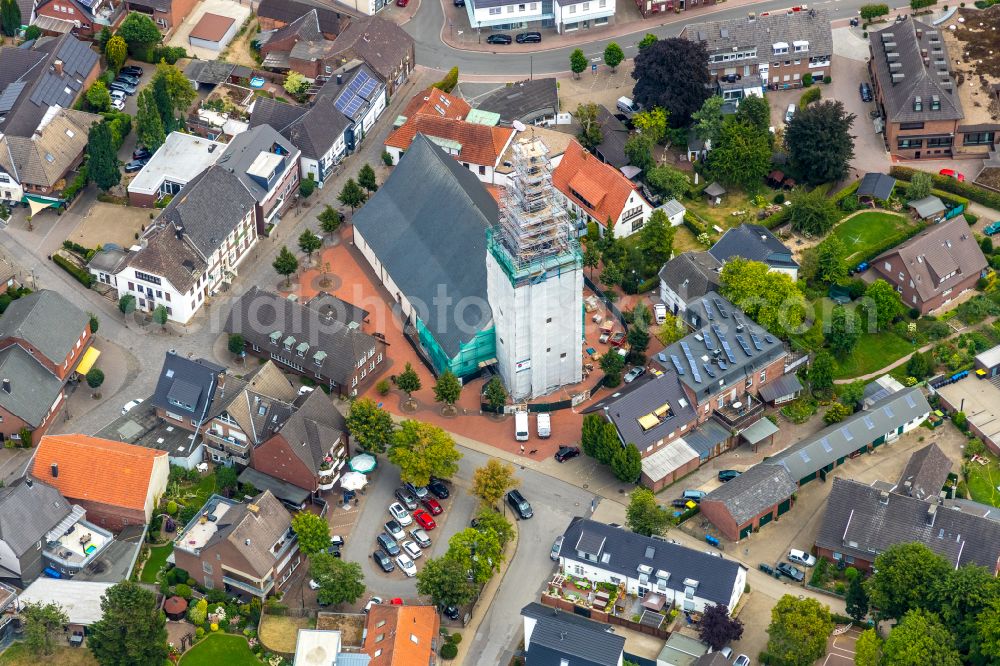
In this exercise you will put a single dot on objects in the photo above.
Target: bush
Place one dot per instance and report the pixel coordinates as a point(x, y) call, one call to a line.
point(810, 96)
point(779, 198)
point(382, 387)
point(450, 80)
point(81, 276)
point(828, 80)
point(449, 651)
point(307, 186)
point(696, 227)
point(807, 80)
point(920, 4)
point(386, 158)
point(455, 638)
point(869, 12)
point(183, 591)
point(199, 633)
point(171, 508)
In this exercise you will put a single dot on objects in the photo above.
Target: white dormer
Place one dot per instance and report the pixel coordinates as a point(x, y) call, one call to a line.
point(801, 46)
point(779, 48)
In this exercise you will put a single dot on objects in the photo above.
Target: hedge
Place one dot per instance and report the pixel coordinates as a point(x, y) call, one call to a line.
point(448, 83)
point(947, 197)
point(974, 192)
point(809, 96)
point(869, 12)
point(696, 227)
point(82, 276)
point(920, 4)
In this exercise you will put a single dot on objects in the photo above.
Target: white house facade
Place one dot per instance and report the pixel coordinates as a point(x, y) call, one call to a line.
point(573, 15)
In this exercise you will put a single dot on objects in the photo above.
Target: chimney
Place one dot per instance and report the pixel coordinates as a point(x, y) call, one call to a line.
point(222, 383)
point(28, 482)
point(179, 231)
point(253, 508)
point(57, 67)
point(751, 17)
point(340, 79)
point(908, 486)
point(883, 497)
point(55, 470)
point(6, 385)
point(931, 513)
point(920, 33)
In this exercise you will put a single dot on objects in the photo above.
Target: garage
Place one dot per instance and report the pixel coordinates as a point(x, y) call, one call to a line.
point(213, 32)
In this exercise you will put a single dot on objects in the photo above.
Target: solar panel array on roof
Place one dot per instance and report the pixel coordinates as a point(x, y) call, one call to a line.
point(677, 364)
point(690, 360)
point(756, 341)
point(768, 339)
point(355, 95)
point(708, 310)
point(722, 364)
point(709, 370)
point(709, 344)
point(746, 347)
point(10, 95)
point(721, 308)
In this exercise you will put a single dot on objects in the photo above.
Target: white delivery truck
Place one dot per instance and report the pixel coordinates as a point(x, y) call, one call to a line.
point(627, 107)
point(521, 426)
point(544, 425)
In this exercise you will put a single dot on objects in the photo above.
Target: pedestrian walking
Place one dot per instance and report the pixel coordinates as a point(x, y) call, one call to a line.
point(522, 449)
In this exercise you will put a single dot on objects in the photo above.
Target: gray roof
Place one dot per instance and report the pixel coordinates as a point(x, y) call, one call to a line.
point(247, 146)
point(864, 521)
point(855, 432)
point(753, 242)
point(626, 550)
point(284, 491)
point(672, 207)
point(344, 91)
point(438, 212)
point(925, 81)
point(740, 34)
point(525, 101)
point(312, 429)
point(382, 44)
point(928, 206)
point(257, 314)
point(754, 491)
point(562, 635)
point(166, 255)
point(626, 411)
point(28, 510)
point(313, 131)
point(278, 115)
point(780, 387)
point(712, 316)
point(47, 321)
point(715, 190)
point(613, 137)
point(209, 208)
point(925, 474)
point(711, 659)
point(212, 72)
point(691, 275)
point(338, 309)
point(194, 380)
point(253, 533)
point(305, 29)
point(706, 437)
point(286, 11)
point(877, 185)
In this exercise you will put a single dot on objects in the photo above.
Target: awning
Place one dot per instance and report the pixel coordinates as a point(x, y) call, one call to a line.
point(759, 431)
point(87, 362)
point(38, 204)
point(785, 385)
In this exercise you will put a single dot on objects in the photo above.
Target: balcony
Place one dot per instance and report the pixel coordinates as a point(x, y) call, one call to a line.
point(250, 588)
point(749, 411)
point(227, 445)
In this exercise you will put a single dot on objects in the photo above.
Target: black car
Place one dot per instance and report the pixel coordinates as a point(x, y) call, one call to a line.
point(388, 544)
point(408, 499)
point(450, 612)
point(135, 165)
point(438, 489)
point(680, 503)
point(793, 572)
point(131, 70)
point(866, 92)
point(728, 475)
point(529, 38)
point(383, 561)
point(519, 504)
point(566, 452)
point(498, 39)
point(141, 154)
point(459, 3)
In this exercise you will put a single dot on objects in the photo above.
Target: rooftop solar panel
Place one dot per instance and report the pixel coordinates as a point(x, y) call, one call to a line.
point(756, 341)
point(709, 345)
point(708, 310)
point(729, 352)
point(721, 308)
point(709, 370)
point(690, 360)
point(722, 364)
point(746, 347)
point(677, 364)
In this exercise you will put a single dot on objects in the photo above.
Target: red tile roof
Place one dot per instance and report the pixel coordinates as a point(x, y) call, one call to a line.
point(434, 102)
point(99, 470)
point(481, 144)
point(598, 188)
point(402, 635)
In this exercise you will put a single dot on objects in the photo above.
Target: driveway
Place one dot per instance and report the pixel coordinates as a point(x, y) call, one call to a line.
point(869, 148)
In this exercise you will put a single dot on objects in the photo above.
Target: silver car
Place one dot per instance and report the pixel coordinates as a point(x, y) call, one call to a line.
point(556, 548)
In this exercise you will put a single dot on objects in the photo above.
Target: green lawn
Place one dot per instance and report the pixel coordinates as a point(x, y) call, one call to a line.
point(220, 649)
point(18, 655)
point(157, 559)
point(867, 229)
point(983, 482)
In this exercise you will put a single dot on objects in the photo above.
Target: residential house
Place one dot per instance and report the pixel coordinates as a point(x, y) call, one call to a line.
point(167, 14)
point(299, 337)
point(862, 521)
point(913, 80)
point(116, 483)
point(274, 14)
point(43, 339)
point(650, 7)
point(686, 278)
point(41, 532)
point(360, 94)
point(402, 635)
point(300, 41)
point(531, 102)
point(185, 395)
point(925, 474)
point(563, 15)
point(573, 15)
point(756, 243)
point(247, 549)
point(552, 637)
point(772, 51)
point(934, 267)
point(180, 159)
point(309, 450)
point(85, 18)
point(598, 192)
point(688, 579)
point(381, 44)
point(322, 647)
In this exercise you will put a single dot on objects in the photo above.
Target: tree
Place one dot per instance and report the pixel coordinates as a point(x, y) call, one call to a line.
point(447, 388)
point(856, 600)
point(94, 322)
point(148, 123)
point(798, 631)
point(707, 121)
point(366, 178)
point(820, 146)
point(639, 151)
point(495, 394)
point(102, 163)
point(476, 551)
point(919, 366)
point(309, 243)
point(370, 425)
point(844, 331)
point(638, 339)
point(672, 74)
point(742, 157)
point(408, 381)
point(771, 299)
point(590, 135)
point(329, 220)
point(43, 625)
point(756, 111)
point(868, 649)
point(612, 274)
point(98, 97)
point(95, 377)
point(920, 638)
point(905, 574)
point(717, 628)
point(963, 596)
point(591, 257)
point(821, 372)
point(656, 239)
point(987, 631)
point(921, 185)
point(351, 194)
point(831, 265)
point(126, 304)
point(881, 305)
point(422, 450)
point(612, 364)
point(115, 52)
point(178, 88)
point(613, 55)
point(492, 481)
point(644, 516)
point(446, 582)
point(160, 315)
point(651, 123)
point(285, 264)
point(813, 212)
point(836, 413)
point(627, 464)
point(10, 17)
point(226, 479)
point(295, 84)
point(340, 581)
point(313, 532)
point(852, 394)
point(648, 40)
point(139, 32)
point(237, 344)
point(591, 434)
point(668, 182)
point(492, 521)
point(131, 629)
point(577, 62)
point(307, 186)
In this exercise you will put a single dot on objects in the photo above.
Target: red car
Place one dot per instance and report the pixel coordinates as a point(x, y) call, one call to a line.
point(432, 505)
point(424, 519)
point(402, 3)
point(951, 173)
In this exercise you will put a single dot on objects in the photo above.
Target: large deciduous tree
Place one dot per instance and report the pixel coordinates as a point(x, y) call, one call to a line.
point(491, 481)
point(742, 156)
point(656, 240)
point(668, 182)
point(813, 212)
point(856, 601)
point(178, 88)
point(43, 625)
point(756, 111)
point(718, 628)
point(139, 32)
point(672, 74)
point(447, 389)
point(920, 638)
point(868, 649)
point(370, 425)
point(905, 575)
point(639, 151)
point(613, 55)
point(652, 123)
point(115, 52)
point(880, 305)
point(102, 163)
point(422, 450)
point(577, 62)
point(771, 299)
point(798, 631)
point(340, 581)
point(98, 97)
point(479, 552)
point(445, 581)
point(590, 135)
point(285, 264)
point(707, 121)
point(644, 516)
point(132, 628)
point(313, 532)
point(820, 145)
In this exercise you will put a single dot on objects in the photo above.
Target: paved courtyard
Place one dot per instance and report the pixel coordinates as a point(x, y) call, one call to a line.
point(840, 649)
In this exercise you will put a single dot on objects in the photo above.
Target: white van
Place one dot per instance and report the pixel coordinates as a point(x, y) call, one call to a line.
point(660, 312)
point(627, 107)
point(544, 425)
point(789, 113)
point(521, 426)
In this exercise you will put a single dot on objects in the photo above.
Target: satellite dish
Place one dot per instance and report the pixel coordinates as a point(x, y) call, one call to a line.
point(519, 126)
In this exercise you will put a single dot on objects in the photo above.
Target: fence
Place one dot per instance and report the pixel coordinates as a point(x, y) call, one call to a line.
point(602, 616)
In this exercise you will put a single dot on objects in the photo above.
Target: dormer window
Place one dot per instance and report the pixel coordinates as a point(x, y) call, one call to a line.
point(918, 103)
point(801, 46)
point(780, 48)
point(935, 103)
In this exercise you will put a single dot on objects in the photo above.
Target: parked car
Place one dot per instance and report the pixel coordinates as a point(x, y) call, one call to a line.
point(400, 514)
point(129, 79)
point(118, 104)
point(951, 173)
point(412, 549)
point(402, 3)
point(801, 557)
point(498, 39)
point(388, 544)
point(123, 87)
point(521, 426)
point(424, 519)
point(789, 113)
point(866, 92)
point(519, 504)
point(131, 70)
point(438, 489)
point(419, 491)
point(459, 3)
point(992, 229)
point(634, 374)
point(420, 536)
point(694, 495)
point(432, 505)
point(543, 425)
point(394, 529)
point(384, 563)
point(728, 475)
point(742, 660)
point(727, 652)
point(406, 565)
point(130, 405)
point(451, 612)
point(134, 165)
point(556, 548)
point(529, 38)
point(117, 94)
point(793, 572)
point(566, 452)
point(374, 601)
point(406, 498)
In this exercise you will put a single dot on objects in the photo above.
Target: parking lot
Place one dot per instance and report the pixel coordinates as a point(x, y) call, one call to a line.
point(840, 649)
